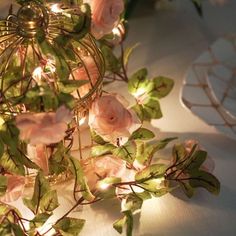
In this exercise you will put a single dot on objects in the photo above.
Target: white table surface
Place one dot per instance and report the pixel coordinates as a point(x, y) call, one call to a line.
point(170, 41)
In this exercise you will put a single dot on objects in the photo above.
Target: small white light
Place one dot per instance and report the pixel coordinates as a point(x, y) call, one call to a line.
point(37, 74)
point(82, 121)
point(116, 31)
point(104, 186)
point(56, 8)
point(139, 92)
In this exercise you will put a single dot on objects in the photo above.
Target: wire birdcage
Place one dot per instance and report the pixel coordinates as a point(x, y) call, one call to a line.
point(48, 44)
point(32, 51)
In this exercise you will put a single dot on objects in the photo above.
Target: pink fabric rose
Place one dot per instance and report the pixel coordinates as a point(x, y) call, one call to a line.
point(38, 154)
point(15, 188)
point(102, 167)
point(110, 119)
point(91, 75)
point(105, 16)
point(209, 164)
point(218, 2)
point(44, 128)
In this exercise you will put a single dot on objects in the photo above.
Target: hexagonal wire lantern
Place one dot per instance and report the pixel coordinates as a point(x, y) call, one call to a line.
point(42, 44)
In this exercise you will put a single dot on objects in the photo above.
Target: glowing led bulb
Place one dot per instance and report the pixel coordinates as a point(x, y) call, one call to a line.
point(82, 121)
point(104, 186)
point(139, 92)
point(37, 74)
point(56, 8)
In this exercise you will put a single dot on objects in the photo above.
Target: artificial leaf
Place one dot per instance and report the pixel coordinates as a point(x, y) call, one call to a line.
point(107, 188)
point(1, 147)
point(39, 220)
point(111, 62)
point(49, 201)
point(3, 185)
point(138, 83)
point(69, 226)
point(205, 180)
point(162, 86)
point(126, 152)
point(151, 172)
point(187, 188)
point(144, 152)
point(97, 138)
point(128, 52)
point(41, 187)
point(80, 180)
point(143, 134)
point(132, 203)
point(69, 86)
point(101, 150)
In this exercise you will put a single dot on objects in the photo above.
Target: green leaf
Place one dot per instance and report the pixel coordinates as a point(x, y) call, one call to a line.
point(133, 203)
point(120, 224)
point(11, 164)
point(143, 134)
point(126, 152)
point(161, 144)
point(49, 201)
point(138, 82)
point(144, 152)
point(97, 138)
point(41, 187)
point(3, 185)
point(69, 226)
point(101, 150)
point(1, 148)
point(179, 153)
point(163, 86)
point(106, 187)
point(148, 110)
point(69, 86)
point(205, 180)
point(39, 220)
point(187, 188)
point(197, 159)
point(127, 221)
point(151, 172)
point(111, 62)
point(80, 180)
point(128, 52)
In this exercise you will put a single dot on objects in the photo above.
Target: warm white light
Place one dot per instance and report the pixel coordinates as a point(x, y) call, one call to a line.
point(50, 66)
point(1, 121)
point(139, 92)
point(37, 74)
point(56, 8)
point(82, 121)
point(104, 186)
point(116, 31)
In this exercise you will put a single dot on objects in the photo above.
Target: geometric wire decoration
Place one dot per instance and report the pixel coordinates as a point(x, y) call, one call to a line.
point(32, 49)
point(46, 45)
point(209, 89)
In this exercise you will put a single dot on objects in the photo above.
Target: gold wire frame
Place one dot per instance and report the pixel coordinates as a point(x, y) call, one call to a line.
point(19, 47)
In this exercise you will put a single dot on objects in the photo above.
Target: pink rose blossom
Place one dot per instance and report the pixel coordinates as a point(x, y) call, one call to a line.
point(44, 128)
point(15, 188)
point(105, 16)
point(218, 2)
point(209, 164)
point(91, 75)
point(110, 119)
point(103, 167)
point(38, 154)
